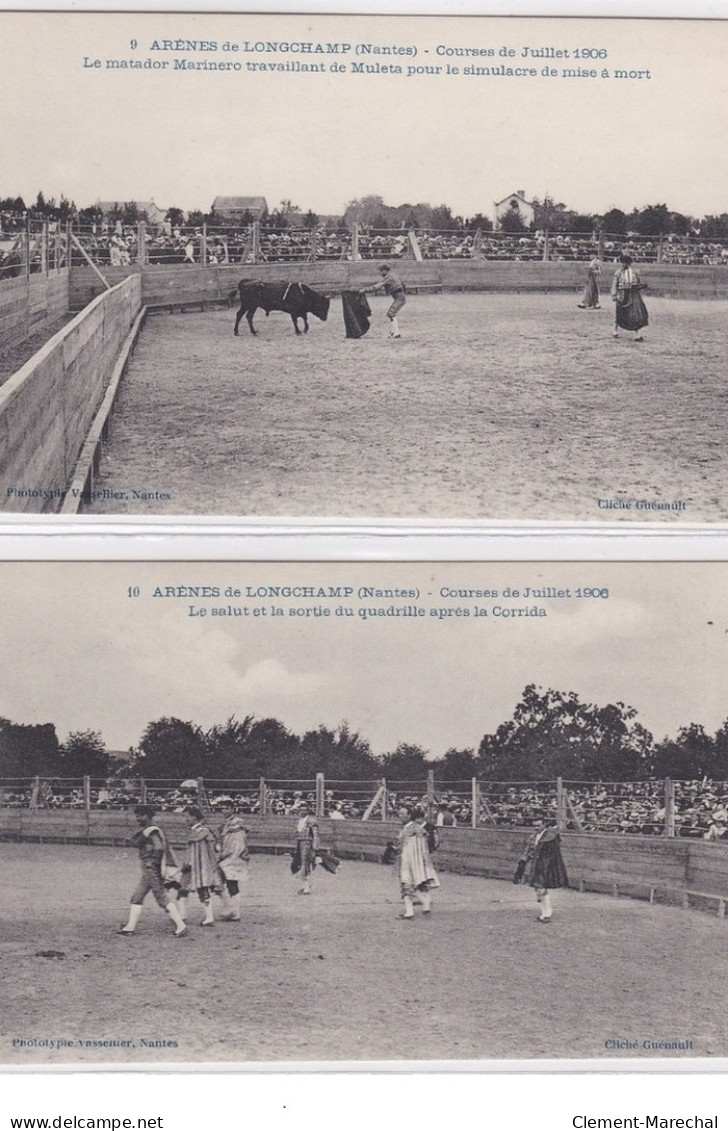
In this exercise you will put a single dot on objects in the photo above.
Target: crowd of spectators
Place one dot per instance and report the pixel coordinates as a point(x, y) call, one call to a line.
point(11, 223)
point(626, 808)
point(109, 241)
point(321, 244)
point(304, 245)
point(694, 252)
point(13, 254)
point(177, 245)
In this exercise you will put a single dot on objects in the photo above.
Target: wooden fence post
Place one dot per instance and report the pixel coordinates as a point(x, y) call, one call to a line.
point(430, 794)
point(474, 803)
point(355, 257)
point(26, 264)
point(659, 248)
point(35, 793)
point(560, 805)
point(669, 807)
point(262, 797)
point(546, 252)
point(414, 245)
point(320, 800)
point(256, 241)
point(142, 791)
point(86, 792)
point(378, 799)
point(89, 260)
point(203, 244)
point(601, 243)
point(44, 248)
point(142, 257)
point(385, 799)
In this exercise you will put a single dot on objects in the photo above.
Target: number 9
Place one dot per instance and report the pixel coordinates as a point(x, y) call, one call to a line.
point(133, 44)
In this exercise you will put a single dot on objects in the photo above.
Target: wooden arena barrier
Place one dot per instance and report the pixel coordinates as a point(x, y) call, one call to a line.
point(48, 406)
point(680, 871)
point(29, 305)
point(194, 287)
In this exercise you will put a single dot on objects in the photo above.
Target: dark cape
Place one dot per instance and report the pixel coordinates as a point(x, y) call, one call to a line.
point(356, 313)
point(631, 310)
point(590, 298)
point(542, 865)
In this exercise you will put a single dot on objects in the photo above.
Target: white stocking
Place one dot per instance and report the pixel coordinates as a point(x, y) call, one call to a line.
point(135, 911)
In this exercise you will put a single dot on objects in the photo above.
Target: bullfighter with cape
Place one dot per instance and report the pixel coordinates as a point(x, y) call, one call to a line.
point(542, 866)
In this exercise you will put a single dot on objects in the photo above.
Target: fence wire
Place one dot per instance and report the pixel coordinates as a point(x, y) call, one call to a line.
point(697, 809)
point(32, 246)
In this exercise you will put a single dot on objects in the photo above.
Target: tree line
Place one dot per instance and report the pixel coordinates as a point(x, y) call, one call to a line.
point(550, 734)
point(372, 212)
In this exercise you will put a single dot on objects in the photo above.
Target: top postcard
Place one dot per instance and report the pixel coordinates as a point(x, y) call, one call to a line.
point(364, 268)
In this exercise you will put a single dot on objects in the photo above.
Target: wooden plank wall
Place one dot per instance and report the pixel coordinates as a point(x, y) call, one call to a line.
point(705, 869)
point(47, 407)
point(188, 285)
point(29, 305)
point(637, 866)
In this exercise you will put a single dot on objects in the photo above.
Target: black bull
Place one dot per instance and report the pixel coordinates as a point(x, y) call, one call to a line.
point(295, 299)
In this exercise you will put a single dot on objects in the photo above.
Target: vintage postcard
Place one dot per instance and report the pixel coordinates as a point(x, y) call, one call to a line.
point(381, 268)
point(274, 812)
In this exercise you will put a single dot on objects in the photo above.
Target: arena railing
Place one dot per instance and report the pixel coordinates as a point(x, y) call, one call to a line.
point(648, 808)
point(518, 804)
point(636, 807)
point(32, 247)
point(108, 243)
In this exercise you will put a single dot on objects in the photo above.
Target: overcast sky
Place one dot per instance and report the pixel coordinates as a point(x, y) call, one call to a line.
point(321, 140)
point(77, 652)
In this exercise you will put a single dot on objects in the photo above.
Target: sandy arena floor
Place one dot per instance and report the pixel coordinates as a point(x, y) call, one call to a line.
point(338, 976)
point(491, 407)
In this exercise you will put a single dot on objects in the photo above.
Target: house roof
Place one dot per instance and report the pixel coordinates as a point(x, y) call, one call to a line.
point(120, 755)
point(240, 204)
point(147, 206)
point(518, 195)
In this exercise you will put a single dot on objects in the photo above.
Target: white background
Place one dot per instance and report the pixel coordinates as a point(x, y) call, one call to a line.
point(324, 1102)
point(545, 1100)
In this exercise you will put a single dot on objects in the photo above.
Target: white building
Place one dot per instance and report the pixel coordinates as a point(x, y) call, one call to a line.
point(235, 207)
point(515, 204)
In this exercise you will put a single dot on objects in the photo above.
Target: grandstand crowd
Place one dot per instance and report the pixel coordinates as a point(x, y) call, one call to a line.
point(626, 808)
point(116, 240)
point(320, 245)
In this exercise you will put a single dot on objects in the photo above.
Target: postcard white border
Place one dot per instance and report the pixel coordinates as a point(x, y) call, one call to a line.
point(308, 1099)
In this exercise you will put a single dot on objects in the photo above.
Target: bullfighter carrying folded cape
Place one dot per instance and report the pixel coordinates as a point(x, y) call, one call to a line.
point(542, 866)
point(630, 310)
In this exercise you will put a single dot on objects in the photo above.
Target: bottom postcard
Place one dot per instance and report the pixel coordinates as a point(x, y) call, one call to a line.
point(363, 812)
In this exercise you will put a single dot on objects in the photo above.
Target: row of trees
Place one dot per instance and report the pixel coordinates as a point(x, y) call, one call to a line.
point(551, 734)
point(29, 750)
point(371, 211)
